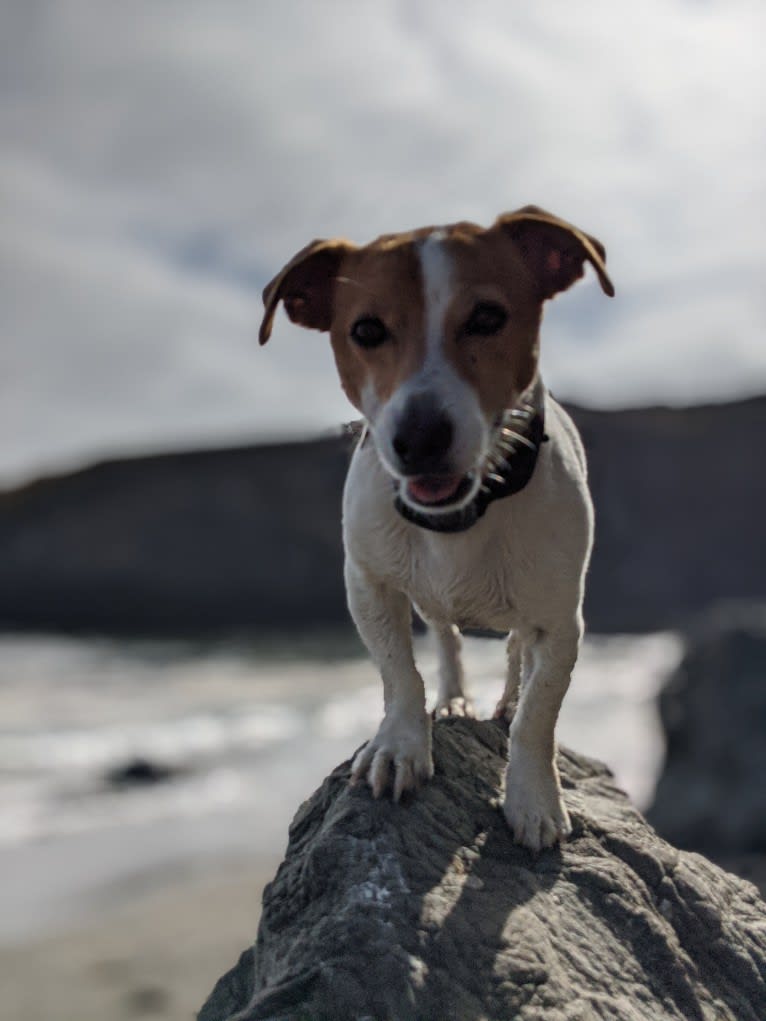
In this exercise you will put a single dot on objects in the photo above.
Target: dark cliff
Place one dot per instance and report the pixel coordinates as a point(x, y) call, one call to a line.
point(249, 539)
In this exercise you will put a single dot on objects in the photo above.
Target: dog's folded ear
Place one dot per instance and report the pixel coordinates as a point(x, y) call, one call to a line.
point(553, 249)
point(305, 286)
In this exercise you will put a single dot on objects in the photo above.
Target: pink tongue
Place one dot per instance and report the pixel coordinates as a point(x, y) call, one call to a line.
point(433, 488)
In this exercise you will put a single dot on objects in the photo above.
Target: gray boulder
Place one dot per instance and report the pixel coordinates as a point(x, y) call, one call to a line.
point(428, 910)
point(709, 796)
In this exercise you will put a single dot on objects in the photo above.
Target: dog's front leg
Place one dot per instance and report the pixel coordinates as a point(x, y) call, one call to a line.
point(533, 804)
point(400, 752)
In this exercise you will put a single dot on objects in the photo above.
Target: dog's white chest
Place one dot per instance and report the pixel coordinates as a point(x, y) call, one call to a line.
point(522, 562)
point(465, 578)
point(453, 579)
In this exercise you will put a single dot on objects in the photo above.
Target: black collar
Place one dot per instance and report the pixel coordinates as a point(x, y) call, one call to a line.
point(509, 468)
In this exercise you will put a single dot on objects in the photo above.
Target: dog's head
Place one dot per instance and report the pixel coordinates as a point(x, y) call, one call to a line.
point(435, 334)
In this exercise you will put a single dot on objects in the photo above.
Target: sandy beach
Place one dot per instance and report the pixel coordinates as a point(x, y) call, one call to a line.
point(160, 956)
point(156, 958)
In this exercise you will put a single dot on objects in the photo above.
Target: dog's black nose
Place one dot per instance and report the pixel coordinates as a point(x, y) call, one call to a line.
point(423, 438)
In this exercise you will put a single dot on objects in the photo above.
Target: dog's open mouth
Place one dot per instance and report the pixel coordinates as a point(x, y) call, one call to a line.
point(437, 490)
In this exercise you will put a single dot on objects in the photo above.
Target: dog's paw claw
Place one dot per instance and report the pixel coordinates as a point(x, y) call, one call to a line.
point(404, 778)
point(533, 806)
point(458, 706)
point(398, 757)
point(536, 831)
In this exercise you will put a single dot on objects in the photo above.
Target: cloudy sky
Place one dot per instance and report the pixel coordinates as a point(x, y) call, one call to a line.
point(160, 161)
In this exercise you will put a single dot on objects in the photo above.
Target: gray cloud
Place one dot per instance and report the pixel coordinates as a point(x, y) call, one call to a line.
point(160, 162)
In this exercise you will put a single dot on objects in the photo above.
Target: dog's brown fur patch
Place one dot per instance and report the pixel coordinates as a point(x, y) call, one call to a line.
point(524, 258)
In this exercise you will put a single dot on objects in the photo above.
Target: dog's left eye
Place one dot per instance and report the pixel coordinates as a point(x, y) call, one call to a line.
point(369, 331)
point(486, 319)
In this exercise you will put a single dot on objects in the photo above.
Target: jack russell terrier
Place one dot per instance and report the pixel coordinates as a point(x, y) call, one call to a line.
point(467, 494)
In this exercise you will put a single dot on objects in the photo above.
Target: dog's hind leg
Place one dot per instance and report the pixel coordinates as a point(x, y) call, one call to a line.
point(506, 707)
point(533, 804)
point(451, 699)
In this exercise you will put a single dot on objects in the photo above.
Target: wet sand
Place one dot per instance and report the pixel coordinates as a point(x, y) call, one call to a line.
point(156, 958)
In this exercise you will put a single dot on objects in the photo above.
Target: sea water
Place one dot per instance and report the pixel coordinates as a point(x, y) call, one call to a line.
point(246, 732)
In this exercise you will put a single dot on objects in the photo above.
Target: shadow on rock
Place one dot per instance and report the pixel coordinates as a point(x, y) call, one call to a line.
point(427, 909)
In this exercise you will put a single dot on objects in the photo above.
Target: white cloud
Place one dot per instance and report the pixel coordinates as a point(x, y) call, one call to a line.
point(159, 162)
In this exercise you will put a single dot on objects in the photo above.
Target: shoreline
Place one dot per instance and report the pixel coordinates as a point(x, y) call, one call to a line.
point(133, 904)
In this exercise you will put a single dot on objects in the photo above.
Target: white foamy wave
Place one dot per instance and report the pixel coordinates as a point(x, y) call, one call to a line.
point(173, 741)
point(236, 728)
point(344, 714)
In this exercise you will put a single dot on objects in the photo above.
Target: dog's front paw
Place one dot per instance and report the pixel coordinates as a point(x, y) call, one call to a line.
point(399, 756)
point(458, 706)
point(533, 806)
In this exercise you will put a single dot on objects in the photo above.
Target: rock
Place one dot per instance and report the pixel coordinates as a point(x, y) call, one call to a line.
point(428, 910)
point(140, 772)
point(709, 796)
point(248, 539)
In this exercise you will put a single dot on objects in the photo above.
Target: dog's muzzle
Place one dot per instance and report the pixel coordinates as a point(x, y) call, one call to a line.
point(507, 469)
point(422, 451)
point(423, 438)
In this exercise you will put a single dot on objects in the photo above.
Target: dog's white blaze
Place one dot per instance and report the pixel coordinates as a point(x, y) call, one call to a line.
point(437, 372)
point(436, 375)
point(370, 401)
point(436, 266)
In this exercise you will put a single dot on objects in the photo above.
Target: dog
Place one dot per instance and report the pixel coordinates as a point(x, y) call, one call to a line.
point(467, 495)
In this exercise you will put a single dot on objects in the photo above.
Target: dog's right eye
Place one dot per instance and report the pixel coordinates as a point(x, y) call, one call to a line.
point(369, 332)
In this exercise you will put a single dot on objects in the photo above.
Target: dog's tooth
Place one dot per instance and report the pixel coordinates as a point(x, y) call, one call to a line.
point(494, 477)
